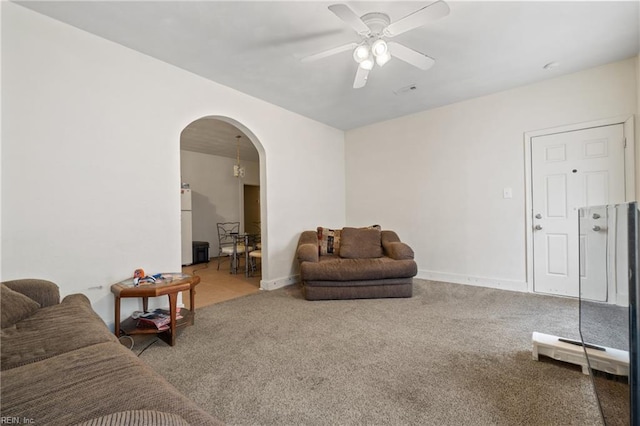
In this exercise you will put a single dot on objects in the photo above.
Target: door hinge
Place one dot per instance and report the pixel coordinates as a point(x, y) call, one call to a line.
point(625, 142)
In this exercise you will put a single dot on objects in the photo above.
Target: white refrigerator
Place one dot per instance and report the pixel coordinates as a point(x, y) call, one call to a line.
point(187, 232)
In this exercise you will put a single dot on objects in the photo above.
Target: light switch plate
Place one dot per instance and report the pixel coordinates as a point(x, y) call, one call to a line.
point(507, 193)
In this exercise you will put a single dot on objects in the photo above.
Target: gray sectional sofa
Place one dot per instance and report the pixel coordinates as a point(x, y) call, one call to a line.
point(355, 263)
point(61, 365)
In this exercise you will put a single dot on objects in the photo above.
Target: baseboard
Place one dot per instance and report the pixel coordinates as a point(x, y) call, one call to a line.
point(279, 282)
point(501, 284)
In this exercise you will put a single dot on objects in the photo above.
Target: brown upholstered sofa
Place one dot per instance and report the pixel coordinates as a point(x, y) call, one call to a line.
point(355, 263)
point(60, 365)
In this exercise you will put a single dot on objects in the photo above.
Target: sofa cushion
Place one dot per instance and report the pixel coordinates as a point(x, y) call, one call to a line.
point(334, 268)
point(90, 383)
point(360, 243)
point(52, 331)
point(328, 241)
point(15, 306)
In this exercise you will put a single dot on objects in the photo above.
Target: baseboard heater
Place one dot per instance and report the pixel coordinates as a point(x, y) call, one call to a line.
point(608, 360)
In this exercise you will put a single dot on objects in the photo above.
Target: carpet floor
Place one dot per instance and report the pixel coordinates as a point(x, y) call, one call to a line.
point(450, 355)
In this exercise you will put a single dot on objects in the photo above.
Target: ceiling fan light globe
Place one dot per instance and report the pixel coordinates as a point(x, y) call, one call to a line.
point(361, 53)
point(379, 48)
point(367, 64)
point(383, 59)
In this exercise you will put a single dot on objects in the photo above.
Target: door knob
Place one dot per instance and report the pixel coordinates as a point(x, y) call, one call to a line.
point(596, 228)
point(537, 227)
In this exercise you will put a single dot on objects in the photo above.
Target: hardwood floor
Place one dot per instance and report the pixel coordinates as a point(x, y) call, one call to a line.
point(217, 286)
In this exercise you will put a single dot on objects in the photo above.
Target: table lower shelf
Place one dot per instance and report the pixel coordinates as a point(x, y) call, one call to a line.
point(130, 326)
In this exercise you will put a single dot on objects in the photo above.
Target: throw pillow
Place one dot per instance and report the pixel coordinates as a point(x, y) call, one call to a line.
point(360, 243)
point(328, 241)
point(14, 306)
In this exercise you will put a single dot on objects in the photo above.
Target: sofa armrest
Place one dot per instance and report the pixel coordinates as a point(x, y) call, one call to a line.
point(398, 250)
point(387, 236)
point(307, 250)
point(77, 298)
point(394, 248)
point(44, 292)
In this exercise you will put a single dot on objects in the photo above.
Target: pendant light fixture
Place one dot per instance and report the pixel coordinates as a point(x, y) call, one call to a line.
point(238, 170)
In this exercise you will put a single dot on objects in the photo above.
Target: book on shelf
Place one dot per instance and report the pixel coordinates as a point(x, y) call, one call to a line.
point(167, 312)
point(159, 319)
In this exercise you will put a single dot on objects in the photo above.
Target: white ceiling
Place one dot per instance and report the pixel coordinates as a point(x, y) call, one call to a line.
point(255, 47)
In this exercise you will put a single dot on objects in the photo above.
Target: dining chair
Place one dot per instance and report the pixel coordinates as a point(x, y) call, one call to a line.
point(229, 243)
point(253, 257)
point(256, 254)
point(258, 228)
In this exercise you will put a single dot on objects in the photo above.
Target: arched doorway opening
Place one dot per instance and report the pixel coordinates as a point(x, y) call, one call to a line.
point(211, 147)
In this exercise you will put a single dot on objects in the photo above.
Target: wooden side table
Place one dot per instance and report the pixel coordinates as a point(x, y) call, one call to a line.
point(170, 286)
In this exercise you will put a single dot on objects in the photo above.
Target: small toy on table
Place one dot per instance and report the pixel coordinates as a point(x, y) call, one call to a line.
point(139, 277)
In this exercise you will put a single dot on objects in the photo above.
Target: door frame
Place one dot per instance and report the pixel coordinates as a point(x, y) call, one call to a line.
point(629, 166)
point(242, 205)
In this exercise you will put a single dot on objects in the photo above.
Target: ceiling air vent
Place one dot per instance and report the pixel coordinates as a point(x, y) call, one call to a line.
point(406, 89)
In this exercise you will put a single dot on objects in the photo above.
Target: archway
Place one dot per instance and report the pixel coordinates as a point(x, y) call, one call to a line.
point(216, 135)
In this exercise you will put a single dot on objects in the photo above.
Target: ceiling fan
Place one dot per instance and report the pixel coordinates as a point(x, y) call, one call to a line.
point(374, 29)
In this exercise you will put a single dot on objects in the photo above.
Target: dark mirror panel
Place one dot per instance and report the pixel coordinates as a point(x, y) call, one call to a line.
point(608, 300)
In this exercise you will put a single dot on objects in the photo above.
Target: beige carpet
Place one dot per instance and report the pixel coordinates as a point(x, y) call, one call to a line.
point(451, 355)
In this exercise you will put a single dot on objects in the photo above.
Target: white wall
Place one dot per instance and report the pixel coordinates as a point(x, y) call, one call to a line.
point(437, 177)
point(91, 160)
point(215, 192)
point(1, 173)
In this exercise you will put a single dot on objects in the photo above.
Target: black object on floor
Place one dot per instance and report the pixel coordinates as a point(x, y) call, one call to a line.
point(200, 252)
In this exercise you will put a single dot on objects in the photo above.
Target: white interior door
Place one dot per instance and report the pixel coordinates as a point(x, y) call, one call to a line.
point(572, 170)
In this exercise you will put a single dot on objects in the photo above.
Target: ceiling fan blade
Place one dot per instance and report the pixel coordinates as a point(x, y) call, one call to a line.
point(325, 53)
point(410, 56)
point(361, 78)
point(345, 13)
point(417, 19)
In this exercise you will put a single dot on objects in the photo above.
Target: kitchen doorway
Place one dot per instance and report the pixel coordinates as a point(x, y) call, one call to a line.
point(213, 149)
